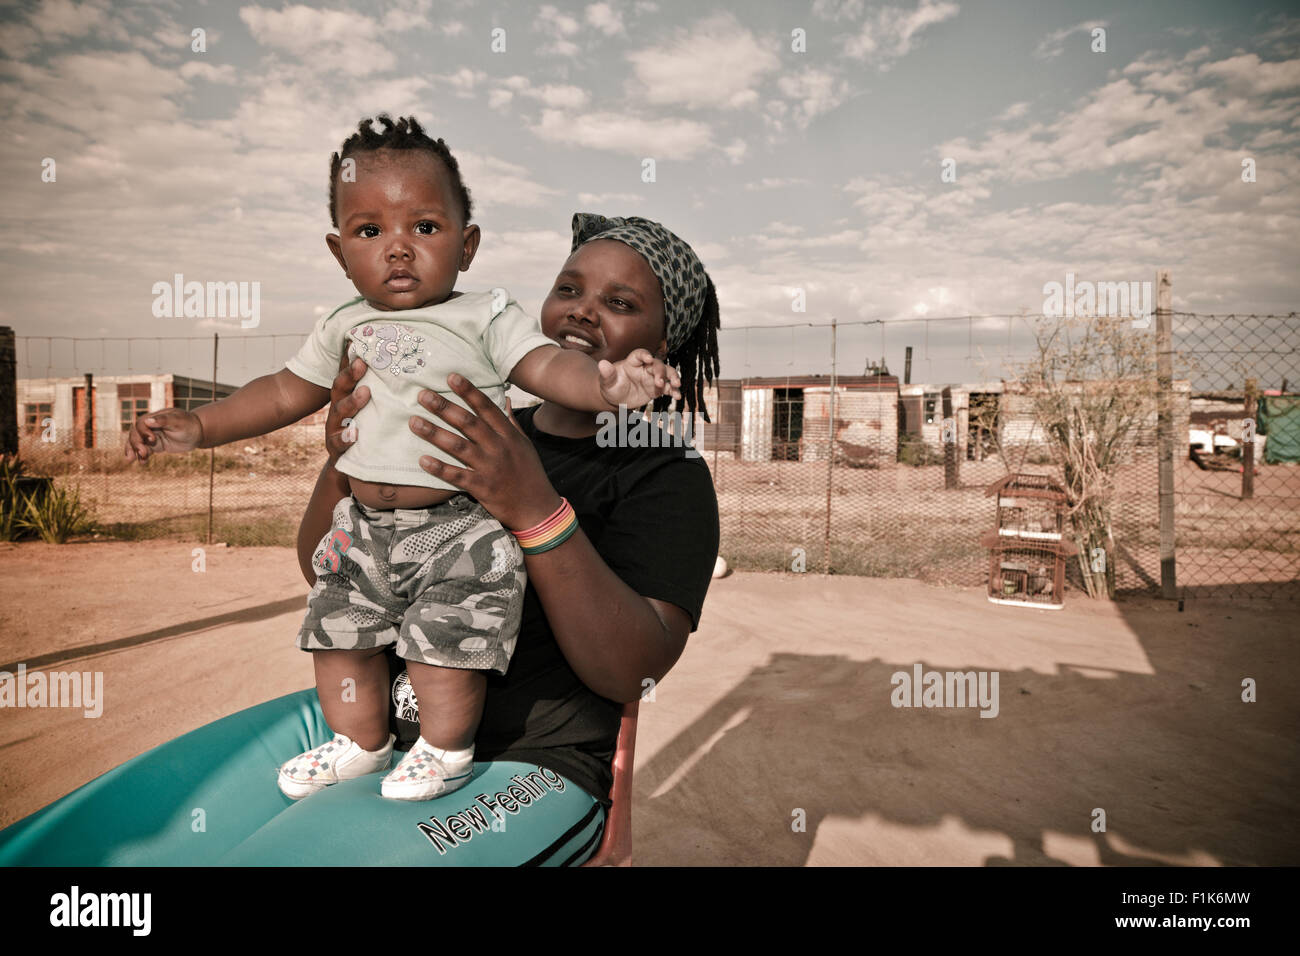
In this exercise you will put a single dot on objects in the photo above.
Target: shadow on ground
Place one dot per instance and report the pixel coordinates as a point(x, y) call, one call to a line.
point(1186, 772)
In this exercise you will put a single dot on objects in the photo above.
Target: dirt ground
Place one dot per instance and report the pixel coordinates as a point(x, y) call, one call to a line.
point(774, 741)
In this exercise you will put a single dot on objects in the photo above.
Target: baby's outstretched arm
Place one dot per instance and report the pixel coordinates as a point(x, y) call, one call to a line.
point(261, 406)
point(572, 379)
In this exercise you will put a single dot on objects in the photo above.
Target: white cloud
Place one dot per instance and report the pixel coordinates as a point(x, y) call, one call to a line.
point(1053, 45)
point(774, 182)
point(814, 92)
point(605, 18)
point(594, 200)
point(495, 183)
point(837, 9)
point(57, 21)
point(405, 15)
point(463, 81)
point(661, 139)
point(717, 62)
point(887, 33)
point(559, 27)
point(1249, 76)
point(1014, 111)
point(558, 97)
point(329, 40)
point(225, 73)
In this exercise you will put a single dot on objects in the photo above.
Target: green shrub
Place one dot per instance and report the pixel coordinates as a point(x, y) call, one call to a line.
point(57, 515)
point(31, 506)
point(11, 501)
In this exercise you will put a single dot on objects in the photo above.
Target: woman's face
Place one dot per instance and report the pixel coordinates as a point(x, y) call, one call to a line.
point(606, 302)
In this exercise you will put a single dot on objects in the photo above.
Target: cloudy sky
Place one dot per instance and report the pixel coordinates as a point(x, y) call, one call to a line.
point(797, 146)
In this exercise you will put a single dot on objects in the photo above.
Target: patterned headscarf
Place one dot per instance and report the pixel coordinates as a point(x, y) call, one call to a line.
point(680, 273)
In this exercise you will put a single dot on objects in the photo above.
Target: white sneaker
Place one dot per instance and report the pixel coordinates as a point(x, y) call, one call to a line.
point(340, 759)
point(425, 772)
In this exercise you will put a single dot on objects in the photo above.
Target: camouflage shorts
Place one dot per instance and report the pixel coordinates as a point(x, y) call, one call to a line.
point(444, 584)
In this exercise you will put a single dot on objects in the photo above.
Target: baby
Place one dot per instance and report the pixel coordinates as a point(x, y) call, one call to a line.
point(410, 560)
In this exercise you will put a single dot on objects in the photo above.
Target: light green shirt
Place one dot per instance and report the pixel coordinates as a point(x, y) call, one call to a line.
point(410, 350)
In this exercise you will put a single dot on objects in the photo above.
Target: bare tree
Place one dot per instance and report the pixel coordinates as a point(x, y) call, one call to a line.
point(1092, 387)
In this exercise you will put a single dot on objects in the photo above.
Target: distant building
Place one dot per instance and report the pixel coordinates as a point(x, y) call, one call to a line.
point(785, 418)
point(877, 419)
point(117, 401)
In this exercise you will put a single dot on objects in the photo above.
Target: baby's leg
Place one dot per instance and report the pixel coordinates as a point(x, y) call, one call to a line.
point(451, 703)
point(353, 691)
point(465, 577)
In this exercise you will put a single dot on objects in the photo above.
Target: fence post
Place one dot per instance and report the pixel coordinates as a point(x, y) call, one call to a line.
point(8, 392)
point(89, 427)
point(830, 462)
point(212, 452)
point(1248, 447)
point(951, 478)
point(1165, 431)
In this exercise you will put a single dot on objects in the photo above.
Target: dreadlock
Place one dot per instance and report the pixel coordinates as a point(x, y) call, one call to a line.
point(406, 133)
point(696, 358)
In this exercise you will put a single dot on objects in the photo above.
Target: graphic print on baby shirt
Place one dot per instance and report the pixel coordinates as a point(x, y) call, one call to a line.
point(388, 346)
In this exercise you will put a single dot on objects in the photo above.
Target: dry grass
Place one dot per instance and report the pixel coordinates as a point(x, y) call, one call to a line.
point(894, 521)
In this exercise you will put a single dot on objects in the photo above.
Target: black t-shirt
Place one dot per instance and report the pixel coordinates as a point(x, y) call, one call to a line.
point(652, 516)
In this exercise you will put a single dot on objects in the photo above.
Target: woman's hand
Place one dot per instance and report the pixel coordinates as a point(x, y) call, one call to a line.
point(345, 401)
point(502, 470)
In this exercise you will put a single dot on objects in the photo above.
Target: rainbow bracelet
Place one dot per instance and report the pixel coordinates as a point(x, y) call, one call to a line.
point(551, 533)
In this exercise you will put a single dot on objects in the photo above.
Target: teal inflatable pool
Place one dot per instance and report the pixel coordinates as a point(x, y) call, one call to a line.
point(209, 798)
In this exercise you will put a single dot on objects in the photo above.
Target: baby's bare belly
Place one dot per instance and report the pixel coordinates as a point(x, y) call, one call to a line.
point(386, 497)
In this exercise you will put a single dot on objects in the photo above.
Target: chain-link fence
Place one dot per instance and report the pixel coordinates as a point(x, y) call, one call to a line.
point(897, 487)
point(250, 492)
point(1238, 488)
point(902, 490)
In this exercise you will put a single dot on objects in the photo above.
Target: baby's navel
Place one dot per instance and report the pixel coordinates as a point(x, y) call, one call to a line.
point(387, 492)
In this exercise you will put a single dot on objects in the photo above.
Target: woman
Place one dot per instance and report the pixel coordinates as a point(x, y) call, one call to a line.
point(608, 610)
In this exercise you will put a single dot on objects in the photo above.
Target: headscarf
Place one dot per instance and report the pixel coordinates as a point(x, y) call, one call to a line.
point(680, 272)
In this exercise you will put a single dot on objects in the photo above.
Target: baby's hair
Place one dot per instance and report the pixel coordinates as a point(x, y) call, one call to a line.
point(406, 133)
point(696, 358)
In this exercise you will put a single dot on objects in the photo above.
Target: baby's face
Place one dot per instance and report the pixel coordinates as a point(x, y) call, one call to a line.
point(401, 240)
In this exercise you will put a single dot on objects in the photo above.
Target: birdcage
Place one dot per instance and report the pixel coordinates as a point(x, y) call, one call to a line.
point(1028, 548)
point(1030, 506)
point(1026, 571)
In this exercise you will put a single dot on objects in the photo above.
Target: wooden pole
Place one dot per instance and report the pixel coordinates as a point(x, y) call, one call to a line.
point(8, 392)
point(1165, 431)
point(89, 427)
point(830, 463)
point(212, 452)
point(951, 478)
point(1248, 447)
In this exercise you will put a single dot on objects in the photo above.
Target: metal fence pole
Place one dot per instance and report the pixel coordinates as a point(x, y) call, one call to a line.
point(1165, 435)
point(951, 464)
point(830, 462)
point(212, 452)
point(1248, 447)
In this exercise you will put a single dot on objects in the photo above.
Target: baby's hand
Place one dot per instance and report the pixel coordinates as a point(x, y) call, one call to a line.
point(168, 429)
point(637, 380)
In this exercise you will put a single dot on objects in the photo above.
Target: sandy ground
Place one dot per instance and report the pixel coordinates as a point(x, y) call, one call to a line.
point(774, 740)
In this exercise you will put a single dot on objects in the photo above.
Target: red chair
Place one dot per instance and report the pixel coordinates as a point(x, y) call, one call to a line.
point(616, 843)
